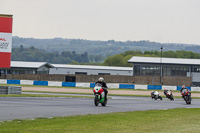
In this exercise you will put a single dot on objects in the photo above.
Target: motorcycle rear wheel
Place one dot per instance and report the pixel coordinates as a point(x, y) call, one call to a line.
point(104, 103)
point(189, 99)
point(160, 98)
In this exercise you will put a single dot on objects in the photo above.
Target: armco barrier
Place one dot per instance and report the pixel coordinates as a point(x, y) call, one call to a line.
point(45, 83)
point(179, 88)
point(3, 81)
point(14, 90)
point(10, 90)
point(13, 81)
point(169, 87)
point(3, 90)
point(112, 85)
point(82, 84)
point(126, 86)
point(69, 84)
point(195, 88)
point(26, 82)
point(143, 87)
point(154, 87)
point(91, 85)
point(54, 83)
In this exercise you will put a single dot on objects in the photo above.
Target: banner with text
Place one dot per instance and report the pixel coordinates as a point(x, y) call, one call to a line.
point(5, 40)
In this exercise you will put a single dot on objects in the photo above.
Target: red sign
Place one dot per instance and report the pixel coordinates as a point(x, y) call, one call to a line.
point(5, 40)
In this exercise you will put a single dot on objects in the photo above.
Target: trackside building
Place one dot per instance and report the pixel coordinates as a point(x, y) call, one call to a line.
point(90, 70)
point(167, 67)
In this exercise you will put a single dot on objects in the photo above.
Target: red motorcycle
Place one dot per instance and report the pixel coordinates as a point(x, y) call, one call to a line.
point(186, 94)
point(99, 95)
point(169, 95)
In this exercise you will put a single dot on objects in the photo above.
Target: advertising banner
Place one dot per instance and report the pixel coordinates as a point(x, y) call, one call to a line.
point(5, 40)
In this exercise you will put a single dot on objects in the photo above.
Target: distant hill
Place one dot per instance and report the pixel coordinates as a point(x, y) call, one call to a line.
point(103, 48)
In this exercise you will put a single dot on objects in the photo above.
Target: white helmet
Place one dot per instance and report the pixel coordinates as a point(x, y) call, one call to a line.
point(101, 79)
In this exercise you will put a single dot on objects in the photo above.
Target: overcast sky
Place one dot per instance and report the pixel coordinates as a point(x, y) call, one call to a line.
point(166, 21)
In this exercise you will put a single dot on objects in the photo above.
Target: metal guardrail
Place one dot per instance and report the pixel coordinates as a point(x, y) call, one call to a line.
point(10, 90)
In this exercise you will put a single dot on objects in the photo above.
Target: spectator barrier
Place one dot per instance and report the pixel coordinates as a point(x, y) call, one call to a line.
point(91, 85)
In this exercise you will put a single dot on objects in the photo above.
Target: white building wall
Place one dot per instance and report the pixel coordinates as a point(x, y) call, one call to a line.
point(195, 77)
point(43, 68)
point(89, 71)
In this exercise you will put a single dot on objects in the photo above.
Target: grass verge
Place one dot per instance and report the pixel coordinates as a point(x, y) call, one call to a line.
point(152, 121)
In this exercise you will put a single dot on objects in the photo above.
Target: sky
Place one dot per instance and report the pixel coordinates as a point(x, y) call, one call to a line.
point(165, 21)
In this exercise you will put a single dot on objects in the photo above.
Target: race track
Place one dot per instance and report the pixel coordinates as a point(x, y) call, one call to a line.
point(35, 107)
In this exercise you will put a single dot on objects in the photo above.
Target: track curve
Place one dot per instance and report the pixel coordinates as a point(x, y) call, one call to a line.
point(35, 107)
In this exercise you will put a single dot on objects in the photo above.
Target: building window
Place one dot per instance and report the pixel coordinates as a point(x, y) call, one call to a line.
point(81, 73)
point(103, 73)
point(175, 71)
point(2, 71)
point(196, 69)
point(146, 70)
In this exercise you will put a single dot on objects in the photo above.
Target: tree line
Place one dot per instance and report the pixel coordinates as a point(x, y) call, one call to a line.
point(71, 57)
point(122, 59)
point(38, 55)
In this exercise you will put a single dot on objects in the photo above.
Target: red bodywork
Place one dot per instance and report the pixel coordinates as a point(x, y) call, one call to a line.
point(100, 91)
point(185, 94)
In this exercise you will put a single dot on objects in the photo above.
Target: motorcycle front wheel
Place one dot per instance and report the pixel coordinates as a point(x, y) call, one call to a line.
point(96, 100)
point(172, 98)
point(189, 99)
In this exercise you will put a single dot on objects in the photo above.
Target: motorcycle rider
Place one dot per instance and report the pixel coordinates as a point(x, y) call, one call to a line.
point(183, 89)
point(104, 86)
point(165, 91)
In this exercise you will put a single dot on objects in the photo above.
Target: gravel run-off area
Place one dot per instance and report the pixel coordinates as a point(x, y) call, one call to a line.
point(118, 92)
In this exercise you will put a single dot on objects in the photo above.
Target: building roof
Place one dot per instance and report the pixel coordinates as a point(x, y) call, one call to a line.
point(92, 67)
point(157, 60)
point(24, 64)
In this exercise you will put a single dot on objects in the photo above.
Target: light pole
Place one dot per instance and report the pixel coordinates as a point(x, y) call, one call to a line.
point(161, 48)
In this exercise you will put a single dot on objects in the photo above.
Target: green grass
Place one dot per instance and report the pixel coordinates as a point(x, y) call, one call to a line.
point(153, 121)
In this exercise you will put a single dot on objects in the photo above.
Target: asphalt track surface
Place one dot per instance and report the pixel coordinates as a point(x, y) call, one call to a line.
point(47, 107)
